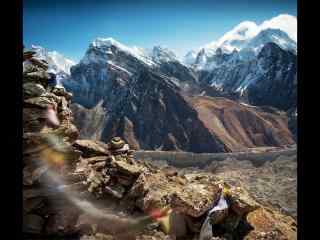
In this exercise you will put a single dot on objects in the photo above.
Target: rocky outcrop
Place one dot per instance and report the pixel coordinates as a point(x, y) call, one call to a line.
point(180, 202)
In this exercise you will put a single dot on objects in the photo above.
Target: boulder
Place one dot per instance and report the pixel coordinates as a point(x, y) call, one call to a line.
point(90, 148)
point(60, 91)
point(266, 226)
point(156, 190)
point(240, 201)
point(152, 191)
point(195, 199)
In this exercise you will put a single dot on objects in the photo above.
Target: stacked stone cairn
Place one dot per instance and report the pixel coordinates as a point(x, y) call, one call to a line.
point(47, 144)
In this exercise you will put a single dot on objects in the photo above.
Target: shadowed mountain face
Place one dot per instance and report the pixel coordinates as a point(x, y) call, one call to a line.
point(154, 115)
point(91, 120)
point(278, 85)
point(156, 103)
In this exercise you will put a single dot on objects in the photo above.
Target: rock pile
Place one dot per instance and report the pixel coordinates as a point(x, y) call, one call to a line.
point(48, 133)
point(186, 199)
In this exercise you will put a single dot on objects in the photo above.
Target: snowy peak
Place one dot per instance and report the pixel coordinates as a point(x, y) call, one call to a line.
point(248, 38)
point(190, 57)
point(107, 42)
point(61, 63)
point(235, 38)
point(103, 49)
point(57, 62)
point(271, 35)
point(106, 49)
point(239, 36)
point(162, 54)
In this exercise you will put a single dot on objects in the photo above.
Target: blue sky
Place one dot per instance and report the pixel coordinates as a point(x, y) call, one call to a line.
point(69, 26)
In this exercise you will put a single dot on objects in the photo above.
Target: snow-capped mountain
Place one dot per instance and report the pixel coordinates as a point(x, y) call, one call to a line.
point(248, 38)
point(108, 61)
point(57, 62)
point(141, 96)
point(150, 57)
point(268, 79)
point(102, 49)
point(277, 36)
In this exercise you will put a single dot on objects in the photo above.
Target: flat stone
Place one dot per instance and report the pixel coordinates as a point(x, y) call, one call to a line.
point(60, 91)
point(241, 202)
point(28, 54)
point(40, 77)
point(33, 90)
point(39, 63)
point(32, 223)
point(90, 148)
point(195, 199)
point(116, 191)
point(41, 102)
point(127, 168)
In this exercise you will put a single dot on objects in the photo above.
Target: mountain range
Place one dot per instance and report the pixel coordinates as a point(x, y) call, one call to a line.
point(229, 95)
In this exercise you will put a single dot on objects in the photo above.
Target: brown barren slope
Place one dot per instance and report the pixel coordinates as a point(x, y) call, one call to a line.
point(240, 126)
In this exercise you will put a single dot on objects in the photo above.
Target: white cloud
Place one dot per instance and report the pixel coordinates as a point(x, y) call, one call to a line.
point(284, 22)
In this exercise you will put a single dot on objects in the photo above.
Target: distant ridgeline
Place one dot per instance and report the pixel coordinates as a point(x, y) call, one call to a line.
point(200, 160)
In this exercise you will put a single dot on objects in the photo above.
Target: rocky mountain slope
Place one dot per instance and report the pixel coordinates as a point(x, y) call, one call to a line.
point(92, 121)
point(146, 102)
